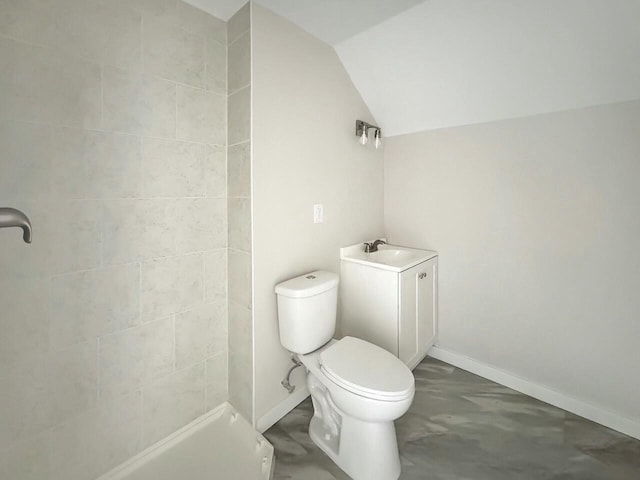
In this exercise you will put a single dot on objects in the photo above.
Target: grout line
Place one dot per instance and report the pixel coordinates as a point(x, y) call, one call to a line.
point(235, 92)
point(239, 36)
point(141, 169)
point(142, 16)
point(175, 119)
point(142, 416)
point(175, 358)
point(231, 93)
point(109, 131)
point(139, 293)
point(206, 64)
point(101, 253)
point(204, 278)
point(98, 376)
point(101, 95)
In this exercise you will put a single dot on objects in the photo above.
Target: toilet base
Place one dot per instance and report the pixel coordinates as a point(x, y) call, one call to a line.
point(365, 450)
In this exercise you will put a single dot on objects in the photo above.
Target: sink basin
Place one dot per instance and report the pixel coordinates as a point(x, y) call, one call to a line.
point(388, 257)
point(391, 256)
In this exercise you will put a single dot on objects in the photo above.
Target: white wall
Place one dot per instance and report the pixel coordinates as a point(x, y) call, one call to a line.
point(536, 223)
point(304, 152)
point(455, 62)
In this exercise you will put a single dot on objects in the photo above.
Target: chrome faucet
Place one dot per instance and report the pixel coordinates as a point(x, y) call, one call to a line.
point(373, 247)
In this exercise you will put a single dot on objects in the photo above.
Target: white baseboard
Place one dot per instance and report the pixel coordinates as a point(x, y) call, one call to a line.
point(561, 400)
point(276, 413)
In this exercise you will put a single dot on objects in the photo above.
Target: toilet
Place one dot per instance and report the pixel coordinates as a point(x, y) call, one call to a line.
point(358, 389)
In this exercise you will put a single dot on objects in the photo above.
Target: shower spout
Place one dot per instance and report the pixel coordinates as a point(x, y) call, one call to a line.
point(10, 217)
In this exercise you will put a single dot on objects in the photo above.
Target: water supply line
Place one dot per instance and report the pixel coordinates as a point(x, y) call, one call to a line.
point(286, 380)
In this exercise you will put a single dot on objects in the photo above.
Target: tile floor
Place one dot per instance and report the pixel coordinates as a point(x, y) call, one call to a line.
point(463, 427)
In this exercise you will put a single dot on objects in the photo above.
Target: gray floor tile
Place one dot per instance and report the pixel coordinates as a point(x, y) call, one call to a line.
point(464, 427)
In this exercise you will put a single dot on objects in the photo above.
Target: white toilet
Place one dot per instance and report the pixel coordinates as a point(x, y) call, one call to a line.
point(358, 389)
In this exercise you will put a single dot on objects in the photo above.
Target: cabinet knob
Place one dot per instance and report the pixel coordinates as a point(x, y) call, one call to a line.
point(422, 275)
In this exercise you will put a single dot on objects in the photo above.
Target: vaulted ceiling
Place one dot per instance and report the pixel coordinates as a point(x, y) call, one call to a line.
point(330, 20)
point(439, 63)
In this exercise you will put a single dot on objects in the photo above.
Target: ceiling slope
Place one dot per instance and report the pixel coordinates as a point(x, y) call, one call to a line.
point(455, 62)
point(329, 20)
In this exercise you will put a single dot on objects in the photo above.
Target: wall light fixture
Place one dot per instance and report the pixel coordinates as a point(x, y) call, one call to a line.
point(362, 132)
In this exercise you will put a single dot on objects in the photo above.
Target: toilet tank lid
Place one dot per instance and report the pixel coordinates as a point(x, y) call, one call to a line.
point(308, 285)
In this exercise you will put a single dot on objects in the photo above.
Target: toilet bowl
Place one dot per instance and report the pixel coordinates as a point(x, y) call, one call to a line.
point(358, 389)
point(353, 422)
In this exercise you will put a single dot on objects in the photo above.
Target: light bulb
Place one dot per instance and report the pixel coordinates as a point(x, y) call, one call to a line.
point(363, 138)
point(378, 138)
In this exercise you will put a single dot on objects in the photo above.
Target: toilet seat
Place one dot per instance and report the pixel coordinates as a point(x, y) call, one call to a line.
point(367, 370)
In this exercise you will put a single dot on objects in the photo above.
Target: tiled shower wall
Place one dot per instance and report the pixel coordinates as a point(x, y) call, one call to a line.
point(239, 201)
point(113, 323)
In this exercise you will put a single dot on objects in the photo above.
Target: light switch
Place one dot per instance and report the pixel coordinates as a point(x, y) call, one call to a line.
point(318, 213)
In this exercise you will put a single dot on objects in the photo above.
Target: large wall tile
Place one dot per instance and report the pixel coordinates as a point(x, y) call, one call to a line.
point(216, 171)
point(239, 23)
point(87, 29)
point(240, 62)
point(138, 230)
point(196, 21)
point(240, 278)
point(240, 224)
point(136, 356)
point(171, 285)
point(88, 304)
point(152, 8)
point(112, 35)
point(216, 66)
point(41, 85)
point(239, 167)
point(138, 104)
point(217, 389)
point(173, 401)
point(27, 460)
point(73, 381)
point(201, 116)
point(173, 168)
point(240, 358)
point(98, 440)
point(25, 150)
point(75, 238)
point(201, 224)
point(24, 322)
point(215, 268)
point(173, 53)
point(94, 31)
point(240, 116)
point(200, 333)
point(89, 150)
point(25, 408)
point(27, 20)
point(103, 165)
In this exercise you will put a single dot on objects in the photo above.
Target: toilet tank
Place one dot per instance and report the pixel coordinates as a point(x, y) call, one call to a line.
point(307, 311)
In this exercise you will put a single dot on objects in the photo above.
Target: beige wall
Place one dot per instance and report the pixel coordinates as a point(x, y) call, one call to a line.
point(304, 152)
point(537, 226)
point(113, 322)
point(239, 195)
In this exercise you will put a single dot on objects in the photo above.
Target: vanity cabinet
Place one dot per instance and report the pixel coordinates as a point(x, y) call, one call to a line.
point(392, 307)
point(416, 311)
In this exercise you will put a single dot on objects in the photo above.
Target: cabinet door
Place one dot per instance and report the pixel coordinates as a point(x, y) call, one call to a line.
point(416, 326)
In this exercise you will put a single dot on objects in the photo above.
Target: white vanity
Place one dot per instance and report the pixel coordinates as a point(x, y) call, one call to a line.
point(389, 298)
